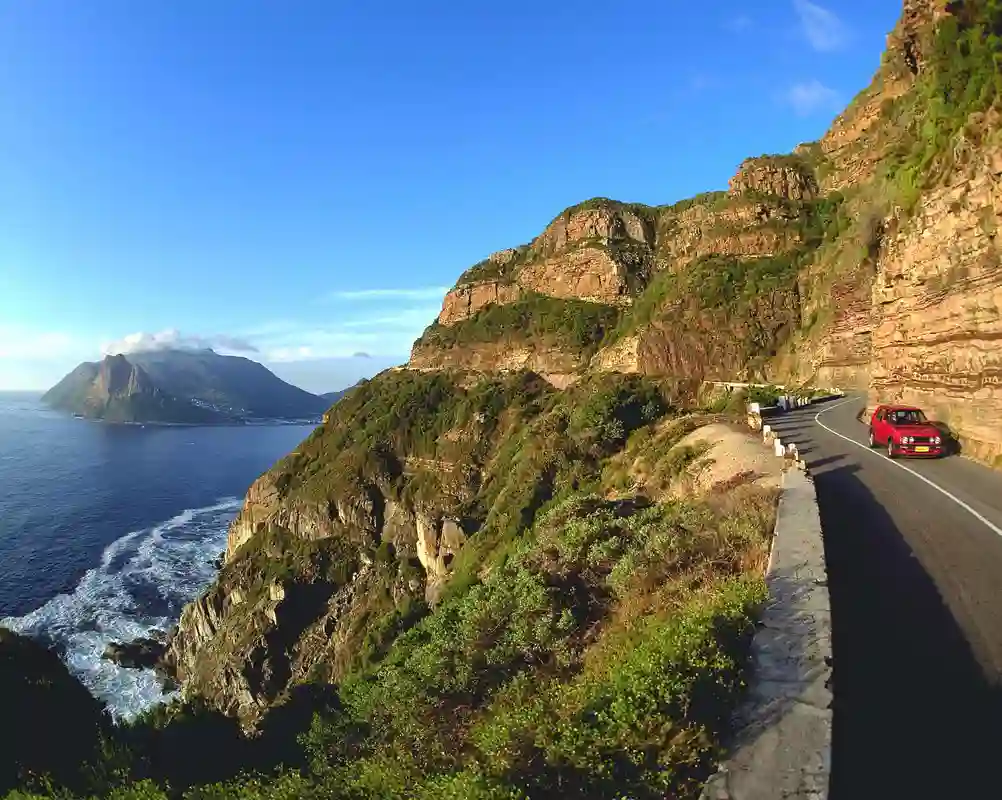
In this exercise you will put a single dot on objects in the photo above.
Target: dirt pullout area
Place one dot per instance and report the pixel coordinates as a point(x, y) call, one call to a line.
point(691, 456)
point(728, 455)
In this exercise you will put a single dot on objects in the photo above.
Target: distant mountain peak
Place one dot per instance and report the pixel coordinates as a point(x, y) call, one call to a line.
point(180, 385)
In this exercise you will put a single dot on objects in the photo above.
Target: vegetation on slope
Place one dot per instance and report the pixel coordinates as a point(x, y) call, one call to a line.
point(961, 76)
point(601, 658)
point(753, 302)
point(585, 646)
point(49, 723)
point(574, 324)
point(490, 269)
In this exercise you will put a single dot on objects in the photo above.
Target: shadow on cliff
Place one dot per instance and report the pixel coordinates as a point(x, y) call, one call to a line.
point(175, 754)
point(951, 442)
point(914, 714)
point(49, 723)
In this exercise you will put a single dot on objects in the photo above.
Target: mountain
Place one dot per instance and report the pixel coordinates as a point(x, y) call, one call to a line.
point(868, 259)
point(183, 386)
point(489, 573)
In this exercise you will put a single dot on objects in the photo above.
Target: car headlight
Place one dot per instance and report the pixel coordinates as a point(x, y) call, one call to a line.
point(906, 440)
point(937, 440)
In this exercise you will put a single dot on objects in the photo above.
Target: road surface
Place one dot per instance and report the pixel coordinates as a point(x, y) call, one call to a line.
point(914, 552)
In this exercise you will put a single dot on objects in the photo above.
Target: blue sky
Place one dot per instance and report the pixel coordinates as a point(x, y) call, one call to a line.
point(306, 178)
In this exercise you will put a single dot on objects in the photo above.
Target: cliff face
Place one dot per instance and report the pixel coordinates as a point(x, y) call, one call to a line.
point(864, 260)
point(604, 273)
point(937, 301)
point(915, 289)
point(361, 526)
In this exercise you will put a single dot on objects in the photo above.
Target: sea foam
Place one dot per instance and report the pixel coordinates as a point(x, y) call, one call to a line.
point(140, 585)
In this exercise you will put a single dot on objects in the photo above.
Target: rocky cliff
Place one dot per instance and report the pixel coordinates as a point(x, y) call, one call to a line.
point(604, 273)
point(863, 260)
point(937, 300)
point(866, 259)
point(367, 522)
point(907, 303)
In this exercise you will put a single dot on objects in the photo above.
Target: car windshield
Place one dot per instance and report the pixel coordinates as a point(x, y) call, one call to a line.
point(911, 416)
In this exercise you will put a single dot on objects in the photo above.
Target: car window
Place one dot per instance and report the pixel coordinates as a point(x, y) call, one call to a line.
point(909, 416)
point(880, 414)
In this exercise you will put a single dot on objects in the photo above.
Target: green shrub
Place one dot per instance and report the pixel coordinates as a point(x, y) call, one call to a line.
point(646, 726)
point(764, 395)
point(960, 76)
point(738, 288)
point(576, 324)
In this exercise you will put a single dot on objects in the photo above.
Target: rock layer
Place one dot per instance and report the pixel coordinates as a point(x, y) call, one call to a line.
point(938, 299)
point(787, 177)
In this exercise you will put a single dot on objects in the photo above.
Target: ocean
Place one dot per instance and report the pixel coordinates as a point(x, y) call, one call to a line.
point(106, 531)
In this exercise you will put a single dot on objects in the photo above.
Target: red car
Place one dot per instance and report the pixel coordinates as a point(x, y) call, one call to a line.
point(905, 431)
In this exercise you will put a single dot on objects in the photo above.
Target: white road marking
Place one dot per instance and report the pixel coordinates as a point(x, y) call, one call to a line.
point(992, 526)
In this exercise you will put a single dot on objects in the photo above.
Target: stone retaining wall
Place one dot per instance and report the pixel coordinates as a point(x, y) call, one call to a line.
point(782, 748)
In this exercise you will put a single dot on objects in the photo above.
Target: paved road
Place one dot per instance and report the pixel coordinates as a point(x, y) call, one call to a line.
point(915, 578)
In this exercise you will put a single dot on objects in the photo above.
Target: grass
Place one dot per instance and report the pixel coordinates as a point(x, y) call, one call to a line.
point(652, 459)
point(710, 199)
point(604, 654)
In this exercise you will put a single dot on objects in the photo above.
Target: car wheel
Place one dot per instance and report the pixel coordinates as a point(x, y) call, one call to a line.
point(871, 440)
point(890, 449)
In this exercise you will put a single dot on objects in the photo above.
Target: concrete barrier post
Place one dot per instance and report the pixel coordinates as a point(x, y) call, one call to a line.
point(778, 445)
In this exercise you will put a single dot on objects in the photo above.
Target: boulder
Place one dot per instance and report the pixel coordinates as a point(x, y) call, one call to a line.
point(143, 653)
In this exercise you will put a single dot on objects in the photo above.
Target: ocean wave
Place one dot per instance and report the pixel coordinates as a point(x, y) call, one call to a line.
point(139, 587)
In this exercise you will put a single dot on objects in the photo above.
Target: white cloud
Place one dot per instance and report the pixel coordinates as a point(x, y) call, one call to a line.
point(423, 293)
point(811, 97)
point(173, 339)
point(824, 30)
